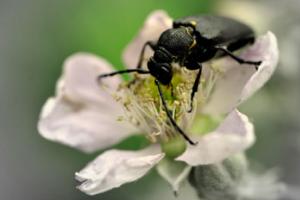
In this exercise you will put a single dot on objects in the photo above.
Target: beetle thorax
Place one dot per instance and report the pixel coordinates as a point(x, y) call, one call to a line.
point(177, 41)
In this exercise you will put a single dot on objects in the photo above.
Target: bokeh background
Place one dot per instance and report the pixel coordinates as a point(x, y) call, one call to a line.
point(36, 37)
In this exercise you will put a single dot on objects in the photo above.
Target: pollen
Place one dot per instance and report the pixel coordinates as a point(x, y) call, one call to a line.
point(143, 107)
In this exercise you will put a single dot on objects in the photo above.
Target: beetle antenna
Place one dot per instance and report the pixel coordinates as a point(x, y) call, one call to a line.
point(170, 115)
point(139, 71)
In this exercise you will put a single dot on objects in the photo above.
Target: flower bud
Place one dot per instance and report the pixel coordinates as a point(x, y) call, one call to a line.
point(218, 181)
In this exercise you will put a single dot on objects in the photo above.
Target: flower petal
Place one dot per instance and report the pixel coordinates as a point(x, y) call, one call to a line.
point(82, 114)
point(238, 82)
point(157, 22)
point(114, 168)
point(80, 77)
point(266, 69)
point(173, 172)
point(235, 134)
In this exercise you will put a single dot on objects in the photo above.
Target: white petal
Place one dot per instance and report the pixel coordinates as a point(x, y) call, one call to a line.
point(238, 82)
point(80, 78)
point(157, 22)
point(270, 60)
point(115, 167)
point(174, 172)
point(82, 114)
point(235, 134)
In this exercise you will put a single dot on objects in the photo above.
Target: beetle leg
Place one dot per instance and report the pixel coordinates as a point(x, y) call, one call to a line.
point(170, 115)
point(238, 59)
point(172, 89)
point(195, 87)
point(152, 45)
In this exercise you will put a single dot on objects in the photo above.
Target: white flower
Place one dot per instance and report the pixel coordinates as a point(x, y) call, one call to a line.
point(90, 117)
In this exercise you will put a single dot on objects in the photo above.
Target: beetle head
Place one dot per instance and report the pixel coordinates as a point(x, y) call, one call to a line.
point(162, 71)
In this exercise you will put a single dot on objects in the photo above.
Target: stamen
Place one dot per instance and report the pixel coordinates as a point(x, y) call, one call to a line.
point(143, 107)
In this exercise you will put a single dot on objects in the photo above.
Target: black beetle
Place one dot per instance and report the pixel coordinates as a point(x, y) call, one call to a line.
point(190, 42)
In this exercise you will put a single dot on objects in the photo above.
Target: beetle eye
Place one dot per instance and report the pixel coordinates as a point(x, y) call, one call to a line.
point(165, 68)
point(165, 73)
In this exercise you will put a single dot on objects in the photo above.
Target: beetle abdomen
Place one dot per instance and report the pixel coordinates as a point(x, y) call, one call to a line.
point(219, 30)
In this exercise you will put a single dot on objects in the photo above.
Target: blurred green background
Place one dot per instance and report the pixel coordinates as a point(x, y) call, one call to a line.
point(36, 37)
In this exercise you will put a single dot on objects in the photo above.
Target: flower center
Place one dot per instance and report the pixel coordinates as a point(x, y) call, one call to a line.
point(143, 106)
point(144, 109)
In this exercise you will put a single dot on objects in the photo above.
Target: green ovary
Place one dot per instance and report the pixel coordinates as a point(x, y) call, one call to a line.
point(174, 147)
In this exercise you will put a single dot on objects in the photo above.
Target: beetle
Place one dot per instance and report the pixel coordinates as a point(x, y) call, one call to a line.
point(190, 42)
